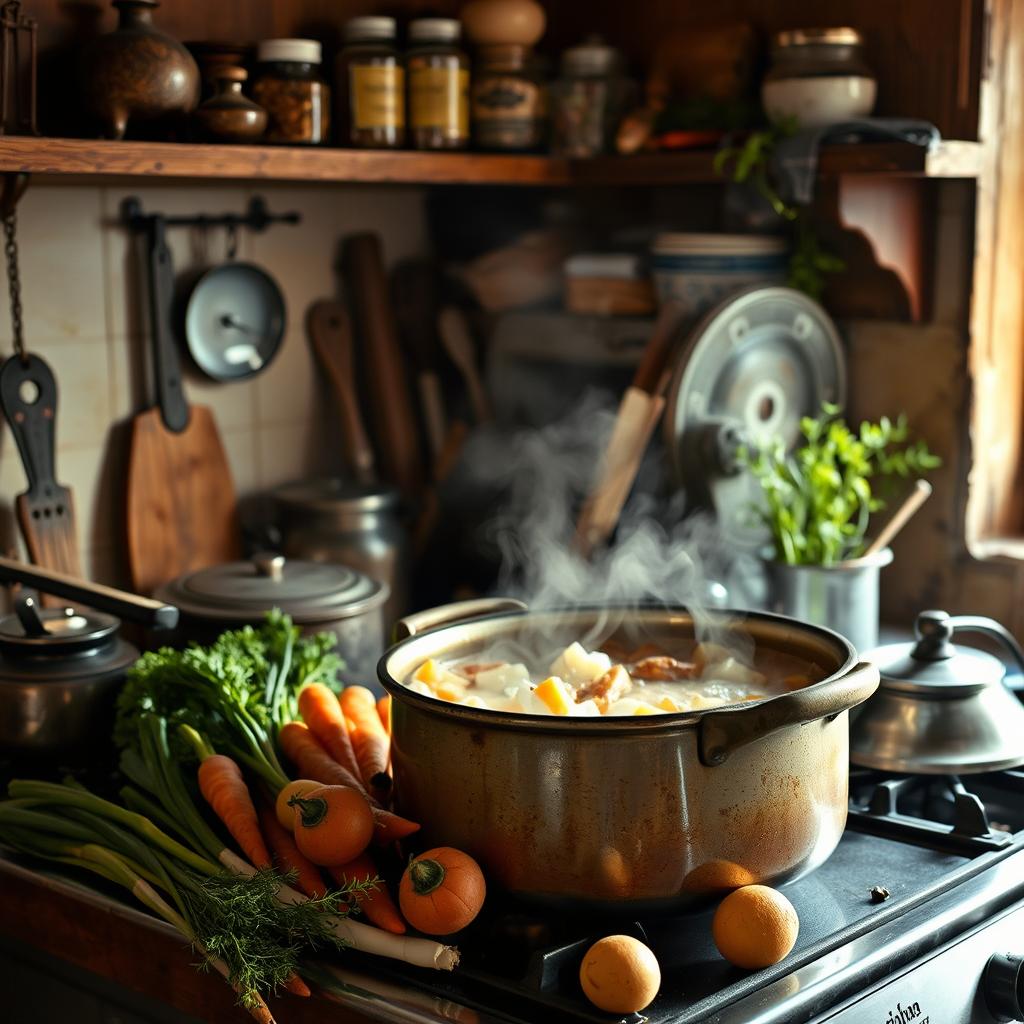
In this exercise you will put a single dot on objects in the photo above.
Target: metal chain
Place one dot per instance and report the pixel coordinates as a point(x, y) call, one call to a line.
point(14, 282)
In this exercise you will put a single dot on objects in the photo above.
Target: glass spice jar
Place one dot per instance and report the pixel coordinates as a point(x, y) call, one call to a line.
point(370, 81)
point(438, 73)
point(289, 86)
point(509, 100)
point(588, 101)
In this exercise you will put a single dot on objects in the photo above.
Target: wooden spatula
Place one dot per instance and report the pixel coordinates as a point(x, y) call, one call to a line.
point(330, 331)
point(639, 411)
point(182, 513)
point(46, 511)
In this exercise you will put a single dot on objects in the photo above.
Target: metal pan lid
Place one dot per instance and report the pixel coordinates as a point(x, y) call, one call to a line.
point(331, 494)
point(36, 632)
point(309, 592)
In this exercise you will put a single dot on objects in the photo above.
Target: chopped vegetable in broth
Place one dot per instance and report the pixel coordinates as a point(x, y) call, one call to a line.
point(589, 684)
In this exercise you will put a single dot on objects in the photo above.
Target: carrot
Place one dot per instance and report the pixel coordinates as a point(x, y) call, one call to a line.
point(303, 749)
point(321, 711)
point(288, 856)
point(296, 986)
point(384, 710)
point(308, 754)
point(222, 785)
point(369, 740)
point(377, 904)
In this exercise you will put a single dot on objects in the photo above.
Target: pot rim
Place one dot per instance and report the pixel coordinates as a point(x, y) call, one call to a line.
point(617, 725)
point(880, 559)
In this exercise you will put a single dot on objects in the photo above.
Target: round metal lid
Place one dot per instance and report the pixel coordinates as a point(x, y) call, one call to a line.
point(933, 665)
point(35, 632)
point(750, 370)
point(331, 495)
point(234, 321)
point(308, 591)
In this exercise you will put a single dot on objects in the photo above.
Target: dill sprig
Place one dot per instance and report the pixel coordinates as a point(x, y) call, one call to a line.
point(240, 920)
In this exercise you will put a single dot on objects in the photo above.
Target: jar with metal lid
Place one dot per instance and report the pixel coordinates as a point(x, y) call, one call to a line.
point(818, 77)
point(318, 597)
point(588, 101)
point(508, 98)
point(358, 525)
point(370, 84)
point(438, 73)
point(289, 87)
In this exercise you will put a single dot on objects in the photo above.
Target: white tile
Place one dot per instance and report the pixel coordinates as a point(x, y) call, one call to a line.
point(233, 404)
point(293, 451)
point(61, 266)
point(84, 390)
point(290, 388)
point(240, 447)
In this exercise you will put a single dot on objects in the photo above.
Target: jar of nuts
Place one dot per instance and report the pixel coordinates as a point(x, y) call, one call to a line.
point(289, 86)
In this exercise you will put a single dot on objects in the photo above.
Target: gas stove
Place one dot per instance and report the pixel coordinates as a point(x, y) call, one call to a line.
point(918, 916)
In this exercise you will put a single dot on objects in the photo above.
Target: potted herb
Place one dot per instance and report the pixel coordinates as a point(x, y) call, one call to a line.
point(819, 502)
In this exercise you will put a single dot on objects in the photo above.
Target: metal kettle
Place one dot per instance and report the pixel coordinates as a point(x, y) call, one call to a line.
point(60, 668)
point(941, 709)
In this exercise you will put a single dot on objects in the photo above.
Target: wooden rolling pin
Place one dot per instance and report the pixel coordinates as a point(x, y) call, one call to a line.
point(392, 412)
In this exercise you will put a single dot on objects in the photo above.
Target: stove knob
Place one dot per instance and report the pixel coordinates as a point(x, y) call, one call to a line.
point(1003, 986)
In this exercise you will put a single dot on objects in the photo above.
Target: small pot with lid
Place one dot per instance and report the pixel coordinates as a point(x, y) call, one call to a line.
point(941, 709)
point(60, 668)
point(319, 597)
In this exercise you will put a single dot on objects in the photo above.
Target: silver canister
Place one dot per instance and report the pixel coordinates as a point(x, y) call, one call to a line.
point(351, 524)
point(843, 597)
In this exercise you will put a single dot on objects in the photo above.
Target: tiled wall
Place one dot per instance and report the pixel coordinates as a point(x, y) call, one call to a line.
point(83, 313)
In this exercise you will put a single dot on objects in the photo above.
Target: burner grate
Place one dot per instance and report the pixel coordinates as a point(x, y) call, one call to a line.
point(935, 811)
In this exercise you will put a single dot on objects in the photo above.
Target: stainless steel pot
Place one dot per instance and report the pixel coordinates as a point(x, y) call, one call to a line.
point(318, 597)
point(60, 668)
point(636, 814)
point(353, 524)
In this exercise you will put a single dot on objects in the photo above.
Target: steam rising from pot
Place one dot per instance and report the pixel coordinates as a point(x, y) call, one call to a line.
point(544, 474)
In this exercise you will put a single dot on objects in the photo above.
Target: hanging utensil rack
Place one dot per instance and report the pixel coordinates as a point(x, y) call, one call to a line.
point(257, 217)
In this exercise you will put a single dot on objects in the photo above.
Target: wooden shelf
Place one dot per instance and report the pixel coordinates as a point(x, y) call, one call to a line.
point(67, 159)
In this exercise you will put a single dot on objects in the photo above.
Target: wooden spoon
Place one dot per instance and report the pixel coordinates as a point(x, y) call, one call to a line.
point(458, 343)
point(913, 501)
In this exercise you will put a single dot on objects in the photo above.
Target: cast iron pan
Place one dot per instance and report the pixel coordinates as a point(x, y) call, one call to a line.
point(233, 321)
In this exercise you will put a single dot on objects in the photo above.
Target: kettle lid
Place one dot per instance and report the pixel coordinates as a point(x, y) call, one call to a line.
point(933, 664)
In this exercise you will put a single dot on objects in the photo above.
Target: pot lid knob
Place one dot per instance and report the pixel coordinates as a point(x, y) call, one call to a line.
point(934, 631)
point(269, 565)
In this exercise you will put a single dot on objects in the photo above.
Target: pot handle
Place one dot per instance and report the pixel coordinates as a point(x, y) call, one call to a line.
point(459, 611)
point(143, 610)
point(721, 733)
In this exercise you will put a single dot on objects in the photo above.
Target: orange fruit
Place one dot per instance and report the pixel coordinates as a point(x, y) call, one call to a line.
point(620, 974)
point(755, 926)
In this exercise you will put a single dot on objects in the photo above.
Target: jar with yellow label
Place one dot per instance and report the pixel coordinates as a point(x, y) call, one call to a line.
point(438, 73)
point(370, 83)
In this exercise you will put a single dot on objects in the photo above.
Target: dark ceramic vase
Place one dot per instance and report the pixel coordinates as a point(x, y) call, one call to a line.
point(137, 73)
point(229, 116)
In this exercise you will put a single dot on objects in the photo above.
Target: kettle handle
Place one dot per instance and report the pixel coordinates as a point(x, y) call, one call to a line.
point(460, 611)
point(981, 624)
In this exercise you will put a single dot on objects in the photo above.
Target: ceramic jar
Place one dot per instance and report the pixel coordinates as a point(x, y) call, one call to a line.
point(137, 73)
point(229, 115)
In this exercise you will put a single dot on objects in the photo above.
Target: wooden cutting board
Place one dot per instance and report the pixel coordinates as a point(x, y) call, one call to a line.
point(182, 511)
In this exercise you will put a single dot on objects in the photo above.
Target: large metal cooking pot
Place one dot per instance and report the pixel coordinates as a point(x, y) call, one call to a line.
point(638, 814)
point(61, 668)
point(320, 597)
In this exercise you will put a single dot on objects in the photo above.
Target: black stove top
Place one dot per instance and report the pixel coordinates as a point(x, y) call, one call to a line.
point(910, 843)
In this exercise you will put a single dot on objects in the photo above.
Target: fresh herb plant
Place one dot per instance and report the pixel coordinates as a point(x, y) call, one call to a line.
point(819, 499)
